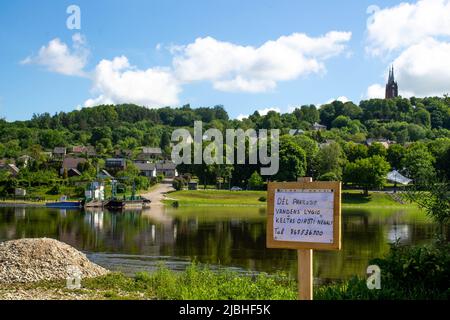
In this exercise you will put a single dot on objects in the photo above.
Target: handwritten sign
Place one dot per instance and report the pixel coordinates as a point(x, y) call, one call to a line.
point(303, 215)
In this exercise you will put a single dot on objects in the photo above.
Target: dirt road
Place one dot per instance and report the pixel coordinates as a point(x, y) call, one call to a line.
point(157, 194)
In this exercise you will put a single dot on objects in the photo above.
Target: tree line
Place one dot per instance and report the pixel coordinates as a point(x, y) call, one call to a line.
point(418, 130)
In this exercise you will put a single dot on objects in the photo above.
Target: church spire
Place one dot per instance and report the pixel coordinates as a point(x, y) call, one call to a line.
point(391, 86)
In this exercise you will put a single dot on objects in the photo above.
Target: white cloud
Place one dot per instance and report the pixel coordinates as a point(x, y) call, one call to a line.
point(234, 68)
point(342, 99)
point(230, 67)
point(418, 35)
point(265, 111)
point(375, 91)
point(58, 57)
point(116, 81)
point(424, 68)
point(262, 112)
point(242, 117)
point(403, 25)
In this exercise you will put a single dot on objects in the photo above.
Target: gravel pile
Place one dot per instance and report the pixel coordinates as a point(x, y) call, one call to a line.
point(31, 260)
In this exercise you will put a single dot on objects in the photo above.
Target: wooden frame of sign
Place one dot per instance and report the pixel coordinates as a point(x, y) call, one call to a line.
point(331, 186)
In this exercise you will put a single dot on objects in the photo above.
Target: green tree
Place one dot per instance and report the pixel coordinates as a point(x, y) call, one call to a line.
point(256, 182)
point(395, 156)
point(330, 158)
point(355, 151)
point(292, 162)
point(367, 173)
point(418, 163)
point(377, 149)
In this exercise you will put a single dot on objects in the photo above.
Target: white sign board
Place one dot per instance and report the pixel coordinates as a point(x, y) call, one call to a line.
point(303, 215)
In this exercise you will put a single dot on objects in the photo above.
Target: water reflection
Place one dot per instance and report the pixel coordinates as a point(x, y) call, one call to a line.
point(131, 241)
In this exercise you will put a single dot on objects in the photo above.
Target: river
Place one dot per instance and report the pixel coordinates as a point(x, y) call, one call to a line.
point(218, 236)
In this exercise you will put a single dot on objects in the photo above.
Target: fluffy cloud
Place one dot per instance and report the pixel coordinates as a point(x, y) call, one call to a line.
point(116, 81)
point(229, 67)
point(406, 24)
point(235, 68)
point(57, 57)
point(424, 68)
point(375, 91)
point(342, 99)
point(418, 35)
point(261, 112)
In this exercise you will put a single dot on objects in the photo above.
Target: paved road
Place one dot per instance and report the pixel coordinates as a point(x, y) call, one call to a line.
point(158, 193)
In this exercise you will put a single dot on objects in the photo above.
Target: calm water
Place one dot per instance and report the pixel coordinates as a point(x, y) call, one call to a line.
point(220, 236)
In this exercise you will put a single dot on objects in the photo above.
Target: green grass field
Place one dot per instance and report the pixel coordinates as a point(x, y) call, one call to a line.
point(350, 198)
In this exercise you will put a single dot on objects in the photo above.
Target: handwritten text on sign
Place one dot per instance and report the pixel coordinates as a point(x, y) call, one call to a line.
point(303, 215)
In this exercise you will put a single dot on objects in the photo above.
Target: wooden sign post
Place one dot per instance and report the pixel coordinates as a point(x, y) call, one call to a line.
point(306, 216)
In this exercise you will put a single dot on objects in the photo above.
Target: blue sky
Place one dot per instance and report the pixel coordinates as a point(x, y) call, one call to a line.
point(146, 52)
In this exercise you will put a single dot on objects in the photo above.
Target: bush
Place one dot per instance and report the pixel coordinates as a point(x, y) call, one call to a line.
point(55, 190)
point(178, 183)
point(204, 284)
point(408, 272)
point(262, 199)
point(329, 176)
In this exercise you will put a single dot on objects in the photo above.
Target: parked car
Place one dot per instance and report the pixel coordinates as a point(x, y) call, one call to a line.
point(236, 189)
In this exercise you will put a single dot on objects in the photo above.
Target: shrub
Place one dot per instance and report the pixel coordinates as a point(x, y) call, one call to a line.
point(178, 183)
point(55, 190)
point(262, 199)
point(407, 272)
point(329, 176)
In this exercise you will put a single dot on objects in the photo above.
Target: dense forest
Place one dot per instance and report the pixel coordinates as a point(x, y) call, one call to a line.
point(416, 129)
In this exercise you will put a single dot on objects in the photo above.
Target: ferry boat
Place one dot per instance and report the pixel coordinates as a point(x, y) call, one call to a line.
point(63, 203)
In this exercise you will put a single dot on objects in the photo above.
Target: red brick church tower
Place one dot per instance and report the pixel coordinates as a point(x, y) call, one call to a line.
point(391, 86)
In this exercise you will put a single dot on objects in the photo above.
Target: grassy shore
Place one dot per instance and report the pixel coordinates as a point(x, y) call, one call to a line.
point(350, 198)
point(193, 284)
point(202, 283)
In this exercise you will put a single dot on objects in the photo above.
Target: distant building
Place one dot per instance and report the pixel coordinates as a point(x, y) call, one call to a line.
point(391, 86)
point(384, 142)
point(149, 154)
point(11, 168)
point(59, 152)
point(88, 150)
point(72, 172)
point(95, 192)
point(167, 168)
point(103, 174)
point(296, 132)
point(147, 169)
point(116, 164)
point(318, 127)
point(71, 163)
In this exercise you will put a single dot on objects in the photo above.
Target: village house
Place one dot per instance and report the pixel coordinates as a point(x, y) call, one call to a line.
point(167, 168)
point(84, 150)
point(384, 142)
point(59, 152)
point(115, 164)
point(149, 154)
point(10, 167)
point(71, 165)
point(318, 127)
point(147, 169)
point(104, 175)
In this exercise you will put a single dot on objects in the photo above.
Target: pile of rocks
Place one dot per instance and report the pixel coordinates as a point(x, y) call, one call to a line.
point(31, 260)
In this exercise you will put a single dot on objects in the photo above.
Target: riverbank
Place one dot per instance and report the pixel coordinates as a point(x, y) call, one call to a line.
point(192, 284)
point(164, 194)
point(350, 199)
